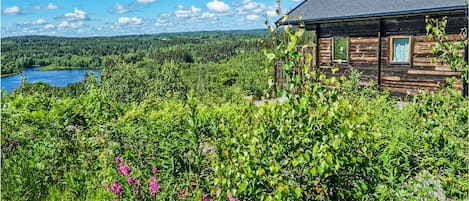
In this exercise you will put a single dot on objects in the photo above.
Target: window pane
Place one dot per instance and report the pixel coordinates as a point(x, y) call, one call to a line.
point(400, 50)
point(340, 49)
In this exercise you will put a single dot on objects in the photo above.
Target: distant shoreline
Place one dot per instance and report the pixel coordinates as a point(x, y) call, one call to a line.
point(8, 74)
point(50, 68)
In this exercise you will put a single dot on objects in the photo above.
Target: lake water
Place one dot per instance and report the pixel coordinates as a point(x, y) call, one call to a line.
point(58, 78)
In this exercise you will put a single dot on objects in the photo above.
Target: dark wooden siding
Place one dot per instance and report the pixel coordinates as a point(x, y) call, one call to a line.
point(414, 25)
point(325, 51)
point(399, 79)
point(357, 28)
point(421, 73)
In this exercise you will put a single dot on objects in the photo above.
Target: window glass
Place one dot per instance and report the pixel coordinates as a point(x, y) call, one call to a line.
point(340, 49)
point(400, 50)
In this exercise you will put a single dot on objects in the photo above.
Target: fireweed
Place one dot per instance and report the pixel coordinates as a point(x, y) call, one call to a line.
point(134, 182)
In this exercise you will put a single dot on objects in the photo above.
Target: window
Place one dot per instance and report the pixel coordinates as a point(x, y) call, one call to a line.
point(340, 49)
point(400, 52)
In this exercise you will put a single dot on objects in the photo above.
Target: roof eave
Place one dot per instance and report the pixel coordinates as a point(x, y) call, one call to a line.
point(461, 8)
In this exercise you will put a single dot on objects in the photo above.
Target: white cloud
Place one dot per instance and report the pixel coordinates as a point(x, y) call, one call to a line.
point(51, 6)
point(118, 8)
point(207, 15)
point(76, 15)
point(63, 24)
point(73, 25)
point(146, 1)
point(39, 21)
point(163, 20)
point(253, 17)
point(128, 20)
point(218, 6)
point(251, 7)
point(181, 12)
point(49, 26)
point(271, 12)
point(193, 13)
point(14, 10)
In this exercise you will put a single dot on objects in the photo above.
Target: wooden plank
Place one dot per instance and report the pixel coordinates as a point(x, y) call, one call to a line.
point(364, 40)
point(432, 72)
point(392, 78)
point(413, 84)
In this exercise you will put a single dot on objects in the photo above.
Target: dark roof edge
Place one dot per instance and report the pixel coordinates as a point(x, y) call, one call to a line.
point(378, 15)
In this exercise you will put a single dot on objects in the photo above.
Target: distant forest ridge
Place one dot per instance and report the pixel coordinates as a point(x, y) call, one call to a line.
point(249, 31)
point(20, 52)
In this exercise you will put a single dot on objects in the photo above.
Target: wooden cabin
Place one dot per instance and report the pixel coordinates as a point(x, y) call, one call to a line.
point(384, 39)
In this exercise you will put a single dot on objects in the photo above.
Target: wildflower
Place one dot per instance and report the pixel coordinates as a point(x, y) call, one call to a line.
point(231, 198)
point(154, 170)
point(206, 198)
point(154, 186)
point(182, 193)
point(131, 180)
point(117, 159)
point(116, 188)
point(124, 169)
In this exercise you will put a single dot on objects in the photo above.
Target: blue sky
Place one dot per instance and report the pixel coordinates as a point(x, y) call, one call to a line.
point(124, 17)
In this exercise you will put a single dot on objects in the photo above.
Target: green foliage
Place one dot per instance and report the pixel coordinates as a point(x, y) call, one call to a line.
point(340, 49)
point(447, 52)
point(329, 140)
point(61, 53)
point(127, 83)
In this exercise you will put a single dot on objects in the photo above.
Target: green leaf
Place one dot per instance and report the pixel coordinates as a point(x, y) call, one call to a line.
point(242, 187)
point(271, 56)
point(298, 192)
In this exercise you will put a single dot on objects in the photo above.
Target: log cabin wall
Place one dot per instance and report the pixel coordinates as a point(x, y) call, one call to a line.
point(400, 79)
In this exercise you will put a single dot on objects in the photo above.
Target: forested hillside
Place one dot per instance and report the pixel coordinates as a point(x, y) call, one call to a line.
point(22, 52)
point(213, 64)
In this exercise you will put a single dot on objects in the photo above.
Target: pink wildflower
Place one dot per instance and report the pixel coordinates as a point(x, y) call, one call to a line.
point(154, 170)
point(117, 159)
point(182, 193)
point(205, 197)
point(231, 198)
point(131, 180)
point(116, 188)
point(124, 169)
point(154, 186)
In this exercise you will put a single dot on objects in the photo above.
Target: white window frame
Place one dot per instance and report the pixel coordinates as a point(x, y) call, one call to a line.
point(391, 40)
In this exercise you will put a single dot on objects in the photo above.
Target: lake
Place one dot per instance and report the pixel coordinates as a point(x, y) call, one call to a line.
point(59, 78)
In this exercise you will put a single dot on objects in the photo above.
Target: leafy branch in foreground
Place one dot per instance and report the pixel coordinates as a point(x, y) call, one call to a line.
point(445, 51)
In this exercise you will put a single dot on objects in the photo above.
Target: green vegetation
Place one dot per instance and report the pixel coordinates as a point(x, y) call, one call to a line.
point(21, 52)
point(155, 129)
point(7, 74)
point(54, 67)
point(340, 49)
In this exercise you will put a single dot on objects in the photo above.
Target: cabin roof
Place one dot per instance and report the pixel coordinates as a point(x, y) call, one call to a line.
point(316, 11)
